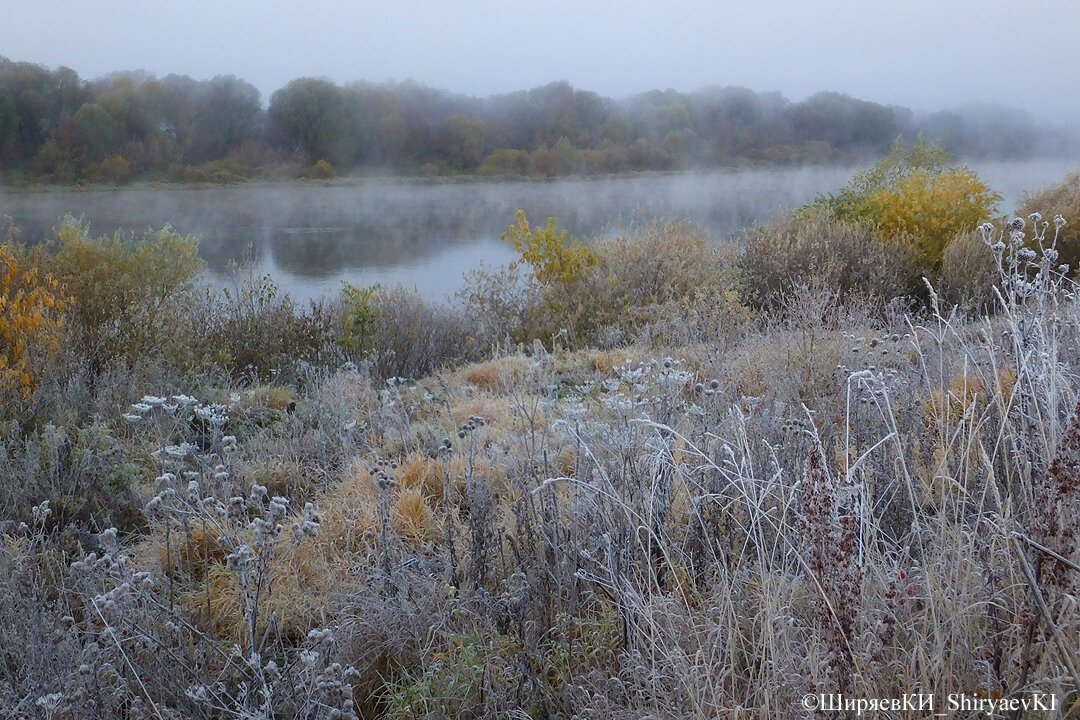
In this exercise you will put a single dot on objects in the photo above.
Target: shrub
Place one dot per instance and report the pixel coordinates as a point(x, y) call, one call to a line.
point(127, 295)
point(358, 319)
point(842, 254)
point(116, 169)
point(322, 170)
point(87, 474)
point(31, 308)
point(257, 332)
point(968, 272)
point(1061, 200)
point(560, 269)
point(913, 193)
point(501, 304)
point(412, 337)
point(553, 256)
point(504, 161)
point(659, 272)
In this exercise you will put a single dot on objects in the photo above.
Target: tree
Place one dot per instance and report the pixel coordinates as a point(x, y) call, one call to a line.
point(228, 112)
point(463, 141)
point(844, 123)
point(28, 85)
point(9, 125)
point(96, 131)
point(307, 117)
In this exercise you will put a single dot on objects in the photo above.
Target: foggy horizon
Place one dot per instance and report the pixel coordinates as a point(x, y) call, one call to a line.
point(919, 56)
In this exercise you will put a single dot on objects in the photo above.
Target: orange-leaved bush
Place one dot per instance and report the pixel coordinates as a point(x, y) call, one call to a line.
point(31, 307)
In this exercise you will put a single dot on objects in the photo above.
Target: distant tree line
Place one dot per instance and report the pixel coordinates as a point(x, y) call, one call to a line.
point(58, 128)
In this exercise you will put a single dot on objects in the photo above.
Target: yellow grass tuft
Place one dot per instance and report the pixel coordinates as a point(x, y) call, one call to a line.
point(283, 476)
point(267, 396)
point(188, 554)
point(423, 474)
point(605, 361)
point(412, 519)
point(567, 462)
point(497, 376)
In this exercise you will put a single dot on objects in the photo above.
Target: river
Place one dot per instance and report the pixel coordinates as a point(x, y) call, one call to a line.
point(312, 238)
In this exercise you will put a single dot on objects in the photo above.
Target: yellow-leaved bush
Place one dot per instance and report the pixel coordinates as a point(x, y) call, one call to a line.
point(31, 313)
point(931, 208)
point(552, 255)
point(914, 196)
point(559, 265)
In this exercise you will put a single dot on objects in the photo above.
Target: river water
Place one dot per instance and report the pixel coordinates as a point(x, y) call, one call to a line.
point(312, 238)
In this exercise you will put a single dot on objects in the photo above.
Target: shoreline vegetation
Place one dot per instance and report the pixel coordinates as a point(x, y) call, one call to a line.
point(59, 129)
point(639, 476)
point(380, 179)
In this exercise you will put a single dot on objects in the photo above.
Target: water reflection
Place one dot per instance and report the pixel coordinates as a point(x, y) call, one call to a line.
point(313, 238)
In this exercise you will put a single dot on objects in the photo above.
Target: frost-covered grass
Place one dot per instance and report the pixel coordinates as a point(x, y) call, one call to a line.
point(835, 498)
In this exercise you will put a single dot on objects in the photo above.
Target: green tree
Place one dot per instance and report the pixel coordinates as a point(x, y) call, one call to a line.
point(463, 141)
point(9, 125)
point(97, 131)
point(307, 116)
point(228, 112)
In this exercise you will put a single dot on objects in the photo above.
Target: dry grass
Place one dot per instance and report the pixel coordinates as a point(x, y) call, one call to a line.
point(496, 376)
point(840, 501)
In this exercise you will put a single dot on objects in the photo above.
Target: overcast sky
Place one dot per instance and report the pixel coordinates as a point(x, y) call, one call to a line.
point(924, 54)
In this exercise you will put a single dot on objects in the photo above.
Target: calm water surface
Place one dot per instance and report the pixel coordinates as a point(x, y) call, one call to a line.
point(311, 239)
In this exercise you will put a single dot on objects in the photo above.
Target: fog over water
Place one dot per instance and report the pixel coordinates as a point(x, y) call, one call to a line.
point(923, 54)
point(313, 238)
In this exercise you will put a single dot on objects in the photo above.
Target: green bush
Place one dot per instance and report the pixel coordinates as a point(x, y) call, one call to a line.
point(359, 318)
point(128, 297)
point(506, 162)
